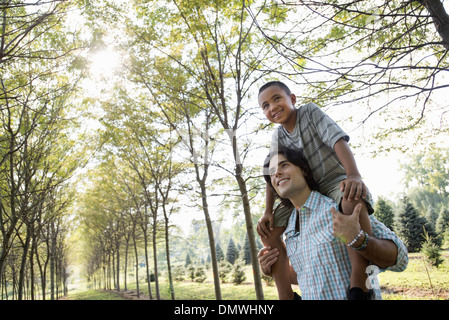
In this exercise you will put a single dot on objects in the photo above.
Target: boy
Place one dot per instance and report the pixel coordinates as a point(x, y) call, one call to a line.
point(325, 146)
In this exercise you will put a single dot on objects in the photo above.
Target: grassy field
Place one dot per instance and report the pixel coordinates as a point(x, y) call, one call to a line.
point(417, 282)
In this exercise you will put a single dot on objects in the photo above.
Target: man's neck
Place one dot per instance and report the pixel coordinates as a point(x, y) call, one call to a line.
point(299, 200)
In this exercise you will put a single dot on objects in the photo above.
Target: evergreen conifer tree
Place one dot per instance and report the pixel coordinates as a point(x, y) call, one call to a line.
point(409, 226)
point(219, 251)
point(384, 212)
point(231, 253)
point(442, 222)
point(188, 260)
point(246, 251)
point(238, 274)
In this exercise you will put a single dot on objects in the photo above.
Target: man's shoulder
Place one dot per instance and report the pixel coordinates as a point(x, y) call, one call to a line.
point(320, 200)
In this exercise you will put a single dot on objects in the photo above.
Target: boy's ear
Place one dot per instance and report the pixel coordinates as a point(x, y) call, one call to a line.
point(293, 99)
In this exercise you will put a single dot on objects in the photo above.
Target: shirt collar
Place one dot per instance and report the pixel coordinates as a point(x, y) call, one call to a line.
point(311, 201)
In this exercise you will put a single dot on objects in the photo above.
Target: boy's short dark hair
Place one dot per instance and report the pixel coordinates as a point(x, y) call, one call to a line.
point(297, 158)
point(279, 84)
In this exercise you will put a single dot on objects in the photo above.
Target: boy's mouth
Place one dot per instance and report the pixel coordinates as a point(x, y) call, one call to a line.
point(277, 114)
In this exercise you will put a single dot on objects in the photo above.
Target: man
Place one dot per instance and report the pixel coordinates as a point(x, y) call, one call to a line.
point(317, 235)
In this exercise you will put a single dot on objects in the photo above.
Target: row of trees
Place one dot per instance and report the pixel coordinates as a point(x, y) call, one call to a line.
point(180, 127)
point(425, 208)
point(39, 152)
point(187, 96)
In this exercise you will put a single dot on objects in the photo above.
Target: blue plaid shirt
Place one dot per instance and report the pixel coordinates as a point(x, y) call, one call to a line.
point(320, 260)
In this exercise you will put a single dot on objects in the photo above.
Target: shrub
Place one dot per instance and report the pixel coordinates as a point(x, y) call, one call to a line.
point(431, 251)
point(238, 274)
point(224, 268)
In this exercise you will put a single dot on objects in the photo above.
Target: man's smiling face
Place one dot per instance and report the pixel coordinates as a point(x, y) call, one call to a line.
point(286, 178)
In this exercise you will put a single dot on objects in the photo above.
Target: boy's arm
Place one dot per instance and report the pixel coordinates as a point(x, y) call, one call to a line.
point(262, 229)
point(267, 257)
point(353, 186)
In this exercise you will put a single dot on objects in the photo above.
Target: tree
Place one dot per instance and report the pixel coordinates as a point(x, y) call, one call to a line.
point(410, 226)
point(431, 251)
point(388, 58)
point(220, 255)
point(38, 152)
point(430, 170)
point(224, 269)
point(188, 260)
point(246, 251)
point(231, 252)
point(238, 274)
point(384, 212)
point(442, 223)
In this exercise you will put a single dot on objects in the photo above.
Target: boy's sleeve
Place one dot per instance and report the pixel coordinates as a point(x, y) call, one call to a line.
point(382, 232)
point(327, 128)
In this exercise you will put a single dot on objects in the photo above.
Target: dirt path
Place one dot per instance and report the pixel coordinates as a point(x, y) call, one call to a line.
point(131, 295)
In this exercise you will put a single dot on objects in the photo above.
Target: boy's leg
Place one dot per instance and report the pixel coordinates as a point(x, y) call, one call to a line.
point(358, 263)
point(281, 269)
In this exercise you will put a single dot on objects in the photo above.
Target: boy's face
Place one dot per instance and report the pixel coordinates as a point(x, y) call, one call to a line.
point(277, 105)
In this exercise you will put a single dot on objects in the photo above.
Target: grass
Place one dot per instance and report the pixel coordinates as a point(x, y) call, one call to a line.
point(94, 295)
point(419, 281)
point(411, 284)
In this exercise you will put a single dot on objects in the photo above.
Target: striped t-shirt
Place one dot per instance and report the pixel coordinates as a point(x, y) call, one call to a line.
point(316, 133)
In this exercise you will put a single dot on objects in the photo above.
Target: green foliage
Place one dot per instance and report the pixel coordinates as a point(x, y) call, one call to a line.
point(246, 251)
point(269, 281)
point(191, 271)
point(199, 274)
point(231, 252)
point(409, 226)
point(442, 223)
point(179, 273)
point(219, 251)
point(384, 212)
point(188, 260)
point(431, 251)
point(224, 269)
point(429, 170)
point(238, 274)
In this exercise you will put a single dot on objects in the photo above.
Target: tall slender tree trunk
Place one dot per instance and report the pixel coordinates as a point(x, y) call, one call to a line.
point(137, 262)
point(213, 250)
point(156, 275)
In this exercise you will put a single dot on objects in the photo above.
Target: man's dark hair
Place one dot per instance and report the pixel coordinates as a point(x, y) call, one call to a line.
point(297, 158)
point(279, 84)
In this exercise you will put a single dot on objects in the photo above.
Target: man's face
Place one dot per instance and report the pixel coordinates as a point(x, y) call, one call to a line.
point(276, 104)
point(286, 178)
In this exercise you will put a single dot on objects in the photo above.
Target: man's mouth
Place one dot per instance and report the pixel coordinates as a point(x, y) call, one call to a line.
point(282, 181)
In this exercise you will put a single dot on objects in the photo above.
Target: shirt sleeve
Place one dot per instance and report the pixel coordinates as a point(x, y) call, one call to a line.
point(382, 232)
point(329, 130)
